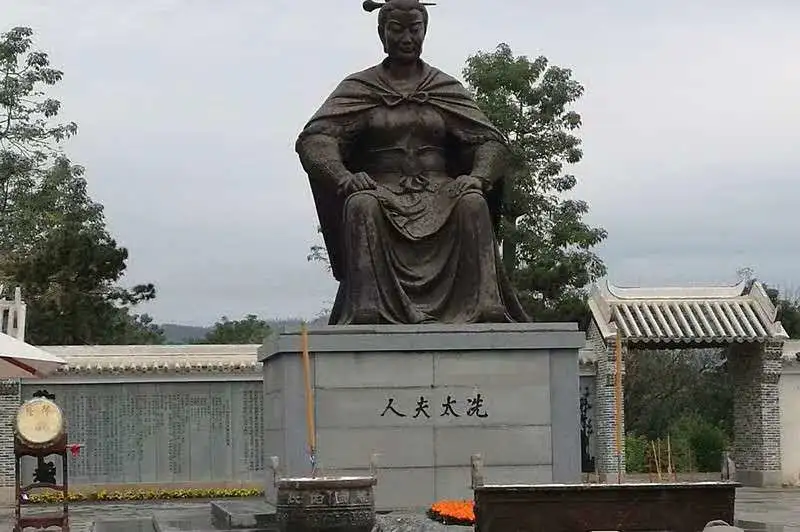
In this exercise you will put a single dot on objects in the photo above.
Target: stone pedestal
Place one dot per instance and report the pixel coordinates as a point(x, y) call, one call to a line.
point(426, 398)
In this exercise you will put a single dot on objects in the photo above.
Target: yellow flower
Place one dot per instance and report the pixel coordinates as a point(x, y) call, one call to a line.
point(134, 494)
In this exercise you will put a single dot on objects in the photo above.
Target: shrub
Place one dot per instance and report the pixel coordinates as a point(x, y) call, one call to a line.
point(706, 441)
point(641, 454)
point(636, 453)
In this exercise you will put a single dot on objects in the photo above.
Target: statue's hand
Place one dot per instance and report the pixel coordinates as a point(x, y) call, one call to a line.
point(463, 183)
point(356, 183)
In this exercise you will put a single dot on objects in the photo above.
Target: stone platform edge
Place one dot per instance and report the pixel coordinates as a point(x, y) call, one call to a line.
point(250, 515)
point(429, 337)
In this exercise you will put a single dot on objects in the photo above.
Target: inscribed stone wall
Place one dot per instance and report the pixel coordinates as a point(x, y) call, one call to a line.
point(154, 432)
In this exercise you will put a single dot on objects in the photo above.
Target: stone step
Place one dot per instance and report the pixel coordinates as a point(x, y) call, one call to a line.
point(243, 515)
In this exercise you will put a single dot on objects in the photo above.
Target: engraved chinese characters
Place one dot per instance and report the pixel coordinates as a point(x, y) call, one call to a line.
point(473, 406)
point(39, 422)
point(163, 432)
point(328, 497)
point(317, 504)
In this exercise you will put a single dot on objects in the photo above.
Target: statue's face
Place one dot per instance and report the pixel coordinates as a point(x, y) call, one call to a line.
point(404, 34)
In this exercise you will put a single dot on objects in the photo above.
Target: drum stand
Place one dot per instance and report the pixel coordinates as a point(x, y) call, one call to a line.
point(43, 520)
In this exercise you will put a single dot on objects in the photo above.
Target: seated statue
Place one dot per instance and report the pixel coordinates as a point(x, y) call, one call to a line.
point(407, 176)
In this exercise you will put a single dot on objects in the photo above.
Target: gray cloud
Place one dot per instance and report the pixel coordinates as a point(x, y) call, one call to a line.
point(189, 109)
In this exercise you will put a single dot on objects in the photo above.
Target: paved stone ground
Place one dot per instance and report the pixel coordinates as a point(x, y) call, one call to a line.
point(772, 506)
point(779, 508)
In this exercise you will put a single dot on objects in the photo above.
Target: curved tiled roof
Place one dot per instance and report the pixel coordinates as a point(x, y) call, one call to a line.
point(140, 359)
point(689, 315)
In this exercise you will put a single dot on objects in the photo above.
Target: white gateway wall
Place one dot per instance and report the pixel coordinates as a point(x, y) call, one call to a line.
point(790, 413)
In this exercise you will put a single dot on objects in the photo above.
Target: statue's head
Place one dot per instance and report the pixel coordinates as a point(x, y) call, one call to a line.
point(402, 25)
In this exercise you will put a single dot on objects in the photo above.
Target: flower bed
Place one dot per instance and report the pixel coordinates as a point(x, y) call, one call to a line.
point(453, 512)
point(46, 497)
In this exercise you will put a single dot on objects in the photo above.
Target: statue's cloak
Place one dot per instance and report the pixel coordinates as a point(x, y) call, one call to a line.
point(342, 114)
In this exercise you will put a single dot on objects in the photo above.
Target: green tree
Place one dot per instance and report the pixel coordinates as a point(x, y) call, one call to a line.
point(547, 248)
point(788, 306)
point(249, 330)
point(705, 440)
point(68, 267)
point(27, 133)
point(789, 314)
point(683, 395)
point(141, 329)
point(663, 386)
point(53, 237)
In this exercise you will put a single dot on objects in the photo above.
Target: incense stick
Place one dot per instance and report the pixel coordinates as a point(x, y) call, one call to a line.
point(310, 429)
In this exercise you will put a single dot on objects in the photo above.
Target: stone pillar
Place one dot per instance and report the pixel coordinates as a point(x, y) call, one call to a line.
point(606, 460)
point(755, 370)
point(9, 402)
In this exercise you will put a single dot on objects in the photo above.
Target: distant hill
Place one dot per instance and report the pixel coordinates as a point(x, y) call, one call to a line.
point(176, 333)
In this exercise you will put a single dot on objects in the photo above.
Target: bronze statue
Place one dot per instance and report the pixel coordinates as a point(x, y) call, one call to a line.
point(407, 175)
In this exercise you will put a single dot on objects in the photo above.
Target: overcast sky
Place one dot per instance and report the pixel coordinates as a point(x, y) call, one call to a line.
point(188, 111)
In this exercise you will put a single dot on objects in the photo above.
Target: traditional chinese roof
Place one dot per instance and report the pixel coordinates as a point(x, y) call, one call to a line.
point(174, 359)
point(686, 315)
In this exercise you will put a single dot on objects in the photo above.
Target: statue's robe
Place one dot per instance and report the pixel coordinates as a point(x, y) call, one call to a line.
point(410, 252)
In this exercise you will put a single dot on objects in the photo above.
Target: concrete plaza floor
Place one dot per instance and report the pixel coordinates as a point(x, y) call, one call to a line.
point(778, 508)
point(771, 506)
point(83, 515)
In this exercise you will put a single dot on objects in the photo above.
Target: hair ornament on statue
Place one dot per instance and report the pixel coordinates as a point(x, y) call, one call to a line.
point(370, 5)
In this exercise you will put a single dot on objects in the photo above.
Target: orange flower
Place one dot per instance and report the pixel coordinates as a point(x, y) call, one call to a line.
point(453, 512)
